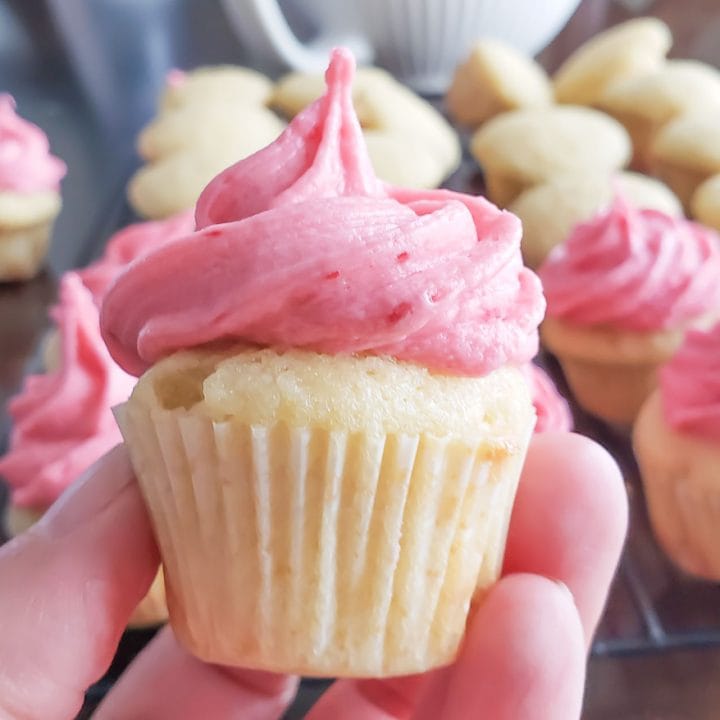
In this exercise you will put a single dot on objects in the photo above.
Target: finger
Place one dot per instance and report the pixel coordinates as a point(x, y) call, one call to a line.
point(67, 589)
point(165, 681)
point(570, 519)
point(523, 658)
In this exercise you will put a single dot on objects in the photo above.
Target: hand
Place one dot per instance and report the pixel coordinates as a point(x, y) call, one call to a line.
point(69, 585)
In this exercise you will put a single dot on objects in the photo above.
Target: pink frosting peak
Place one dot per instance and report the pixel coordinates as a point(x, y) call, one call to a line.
point(552, 409)
point(26, 164)
point(130, 243)
point(63, 420)
point(639, 270)
point(690, 385)
point(300, 245)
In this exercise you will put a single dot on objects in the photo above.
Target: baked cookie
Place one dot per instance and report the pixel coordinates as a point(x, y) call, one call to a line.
point(686, 152)
point(410, 143)
point(628, 50)
point(522, 148)
point(496, 78)
point(199, 131)
point(549, 211)
point(645, 104)
point(705, 203)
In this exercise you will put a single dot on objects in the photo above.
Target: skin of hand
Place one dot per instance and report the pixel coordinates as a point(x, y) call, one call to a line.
point(69, 585)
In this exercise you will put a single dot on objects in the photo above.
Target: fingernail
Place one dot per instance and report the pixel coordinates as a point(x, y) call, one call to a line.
point(90, 494)
point(564, 588)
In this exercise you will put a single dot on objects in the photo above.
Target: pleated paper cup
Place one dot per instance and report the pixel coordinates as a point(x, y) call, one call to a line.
point(681, 479)
point(322, 551)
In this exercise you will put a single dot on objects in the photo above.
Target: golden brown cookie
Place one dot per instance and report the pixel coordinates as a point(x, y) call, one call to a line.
point(410, 143)
point(496, 78)
point(522, 148)
point(705, 203)
point(645, 104)
point(628, 50)
point(208, 119)
point(550, 210)
point(686, 152)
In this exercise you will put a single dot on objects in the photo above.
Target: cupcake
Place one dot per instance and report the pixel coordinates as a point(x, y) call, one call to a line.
point(129, 244)
point(621, 291)
point(29, 194)
point(677, 444)
point(331, 418)
point(63, 422)
point(552, 409)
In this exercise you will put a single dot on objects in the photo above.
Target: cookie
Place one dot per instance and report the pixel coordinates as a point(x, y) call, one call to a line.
point(496, 78)
point(208, 119)
point(410, 142)
point(629, 50)
point(705, 203)
point(549, 211)
point(686, 152)
point(647, 103)
point(522, 148)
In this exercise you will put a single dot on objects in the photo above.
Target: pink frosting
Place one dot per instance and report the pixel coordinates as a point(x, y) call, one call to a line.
point(690, 385)
point(129, 244)
point(26, 164)
point(300, 245)
point(632, 269)
point(62, 420)
point(553, 411)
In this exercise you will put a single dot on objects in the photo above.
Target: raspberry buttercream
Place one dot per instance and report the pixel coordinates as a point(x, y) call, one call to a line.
point(130, 243)
point(690, 385)
point(634, 269)
point(63, 420)
point(300, 245)
point(553, 411)
point(26, 165)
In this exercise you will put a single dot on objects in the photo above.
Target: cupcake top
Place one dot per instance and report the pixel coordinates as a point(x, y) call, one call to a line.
point(300, 245)
point(690, 385)
point(26, 165)
point(129, 244)
point(637, 270)
point(552, 409)
point(63, 420)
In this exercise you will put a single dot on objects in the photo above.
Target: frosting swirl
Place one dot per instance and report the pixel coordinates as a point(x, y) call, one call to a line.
point(26, 164)
point(63, 420)
point(552, 409)
point(300, 245)
point(690, 385)
point(639, 270)
point(130, 243)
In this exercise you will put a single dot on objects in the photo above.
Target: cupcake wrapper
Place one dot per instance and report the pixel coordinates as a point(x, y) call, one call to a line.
point(23, 251)
point(320, 552)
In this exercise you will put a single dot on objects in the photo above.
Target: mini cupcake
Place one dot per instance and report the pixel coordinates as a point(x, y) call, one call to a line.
point(677, 444)
point(29, 194)
point(621, 292)
point(63, 422)
point(129, 244)
point(552, 409)
point(331, 421)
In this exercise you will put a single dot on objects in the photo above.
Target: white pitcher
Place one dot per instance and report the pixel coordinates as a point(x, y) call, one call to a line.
point(419, 41)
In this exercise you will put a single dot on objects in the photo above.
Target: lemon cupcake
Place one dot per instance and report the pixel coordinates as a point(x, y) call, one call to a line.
point(621, 292)
point(677, 444)
point(29, 194)
point(332, 417)
point(63, 422)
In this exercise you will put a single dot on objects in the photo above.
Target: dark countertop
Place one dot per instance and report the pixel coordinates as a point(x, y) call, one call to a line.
point(657, 654)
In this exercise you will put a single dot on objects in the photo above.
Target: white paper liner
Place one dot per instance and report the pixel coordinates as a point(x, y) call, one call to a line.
point(320, 552)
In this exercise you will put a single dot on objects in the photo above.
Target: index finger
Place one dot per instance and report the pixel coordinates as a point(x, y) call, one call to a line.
point(67, 589)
